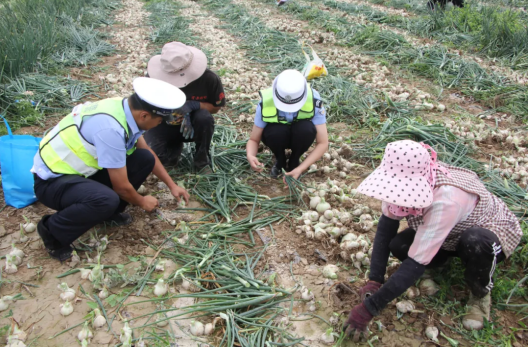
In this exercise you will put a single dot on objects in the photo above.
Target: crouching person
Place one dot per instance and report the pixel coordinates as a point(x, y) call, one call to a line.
point(450, 214)
point(186, 68)
point(289, 116)
point(91, 164)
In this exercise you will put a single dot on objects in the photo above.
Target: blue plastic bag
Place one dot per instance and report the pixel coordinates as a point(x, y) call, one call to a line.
point(16, 159)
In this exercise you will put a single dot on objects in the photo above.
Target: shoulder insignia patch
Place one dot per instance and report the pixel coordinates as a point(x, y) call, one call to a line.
point(318, 103)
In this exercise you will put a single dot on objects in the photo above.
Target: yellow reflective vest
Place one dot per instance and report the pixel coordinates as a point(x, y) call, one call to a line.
point(65, 151)
point(270, 113)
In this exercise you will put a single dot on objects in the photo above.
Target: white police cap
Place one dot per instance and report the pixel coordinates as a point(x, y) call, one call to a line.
point(162, 96)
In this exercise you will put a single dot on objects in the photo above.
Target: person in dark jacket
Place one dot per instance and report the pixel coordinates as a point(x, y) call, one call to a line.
point(186, 68)
point(432, 3)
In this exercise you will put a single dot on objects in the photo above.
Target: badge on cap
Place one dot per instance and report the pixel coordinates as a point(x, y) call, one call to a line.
point(287, 98)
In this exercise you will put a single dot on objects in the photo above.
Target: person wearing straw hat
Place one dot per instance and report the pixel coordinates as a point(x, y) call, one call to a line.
point(90, 165)
point(186, 68)
point(450, 214)
point(290, 115)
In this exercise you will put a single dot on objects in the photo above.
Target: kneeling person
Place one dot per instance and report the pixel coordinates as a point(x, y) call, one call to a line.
point(186, 68)
point(91, 164)
point(289, 116)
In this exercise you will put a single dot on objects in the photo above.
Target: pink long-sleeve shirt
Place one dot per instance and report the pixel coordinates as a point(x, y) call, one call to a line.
point(450, 206)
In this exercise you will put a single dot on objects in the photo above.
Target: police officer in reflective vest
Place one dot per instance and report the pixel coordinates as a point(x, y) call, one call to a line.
point(91, 164)
point(289, 116)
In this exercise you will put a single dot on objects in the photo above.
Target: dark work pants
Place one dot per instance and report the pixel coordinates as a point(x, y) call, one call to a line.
point(82, 203)
point(167, 140)
point(297, 136)
point(478, 248)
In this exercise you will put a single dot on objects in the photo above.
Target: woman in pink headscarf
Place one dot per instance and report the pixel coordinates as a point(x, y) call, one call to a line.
point(449, 213)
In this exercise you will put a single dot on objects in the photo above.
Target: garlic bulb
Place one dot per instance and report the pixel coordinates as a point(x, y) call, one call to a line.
point(190, 286)
point(429, 287)
point(68, 294)
point(432, 333)
point(85, 333)
point(328, 214)
point(210, 327)
point(330, 271)
point(14, 259)
point(142, 190)
point(161, 265)
point(197, 328)
point(17, 252)
point(335, 232)
point(10, 266)
point(360, 256)
point(85, 273)
point(307, 294)
point(126, 334)
point(312, 216)
point(99, 321)
point(160, 288)
point(4, 302)
point(348, 242)
point(75, 259)
point(29, 227)
point(344, 217)
point(328, 337)
point(314, 202)
point(323, 206)
point(103, 294)
point(162, 320)
point(14, 342)
point(405, 306)
point(16, 333)
point(412, 292)
point(97, 273)
point(320, 234)
point(102, 244)
point(334, 318)
point(66, 309)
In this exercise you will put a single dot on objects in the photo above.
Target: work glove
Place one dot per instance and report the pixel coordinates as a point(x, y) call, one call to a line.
point(369, 289)
point(356, 326)
point(186, 127)
point(188, 107)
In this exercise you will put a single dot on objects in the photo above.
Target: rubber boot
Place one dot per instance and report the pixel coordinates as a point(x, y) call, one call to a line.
point(478, 309)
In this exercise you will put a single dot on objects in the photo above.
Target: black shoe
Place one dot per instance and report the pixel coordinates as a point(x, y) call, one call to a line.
point(49, 241)
point(276, 170)
point(119, 219)
point(61, 254)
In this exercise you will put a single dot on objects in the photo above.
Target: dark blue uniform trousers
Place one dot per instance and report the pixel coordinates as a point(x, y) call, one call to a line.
point(82, 203)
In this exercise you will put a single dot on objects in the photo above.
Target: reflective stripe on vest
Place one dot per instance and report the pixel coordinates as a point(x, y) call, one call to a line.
point(270, 113)
point(65, 151)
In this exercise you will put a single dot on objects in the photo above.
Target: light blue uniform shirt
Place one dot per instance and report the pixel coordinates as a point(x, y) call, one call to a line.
point(318, 119)
point(108, 137)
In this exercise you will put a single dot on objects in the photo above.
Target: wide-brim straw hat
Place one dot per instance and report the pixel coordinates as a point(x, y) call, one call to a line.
point(178, 64)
